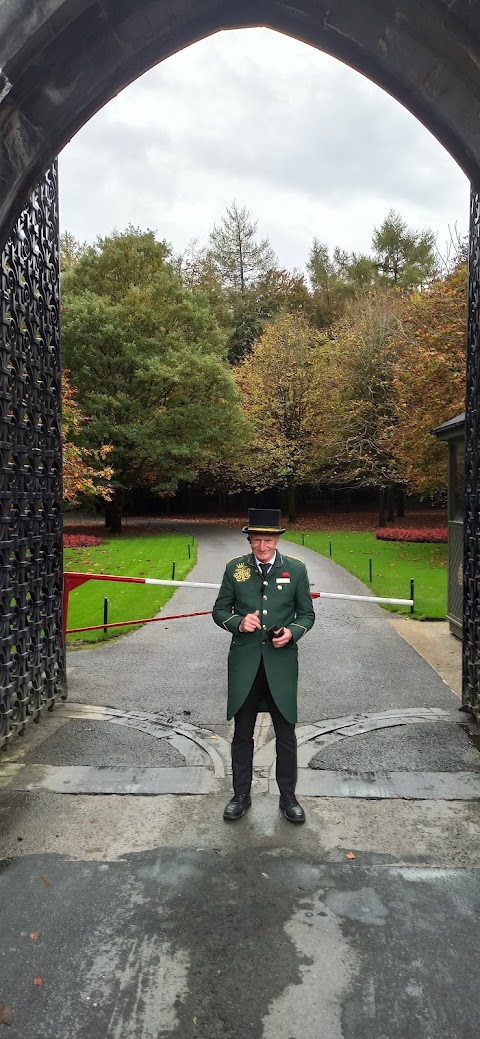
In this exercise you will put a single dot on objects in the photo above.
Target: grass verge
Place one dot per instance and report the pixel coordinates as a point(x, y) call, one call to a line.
point(393, 565)
point(148, 556)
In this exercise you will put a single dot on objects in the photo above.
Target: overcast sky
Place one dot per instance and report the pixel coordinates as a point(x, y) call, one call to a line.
point(308, 145)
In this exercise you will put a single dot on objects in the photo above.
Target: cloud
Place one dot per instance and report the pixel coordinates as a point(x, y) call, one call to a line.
point(307, 144)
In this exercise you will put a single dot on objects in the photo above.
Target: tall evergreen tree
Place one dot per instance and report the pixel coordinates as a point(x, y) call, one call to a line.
point(405, 258)
point(335, 279)
point(277, 291)
point(238, 256)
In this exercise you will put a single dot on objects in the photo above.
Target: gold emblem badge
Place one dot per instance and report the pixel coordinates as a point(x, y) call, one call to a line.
point(241, 572)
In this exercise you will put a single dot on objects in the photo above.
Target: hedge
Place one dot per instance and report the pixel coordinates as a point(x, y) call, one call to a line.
point(436, 535)
point(80, 541)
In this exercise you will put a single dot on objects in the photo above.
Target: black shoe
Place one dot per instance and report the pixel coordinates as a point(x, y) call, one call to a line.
point(291, 808)
point(237, 807)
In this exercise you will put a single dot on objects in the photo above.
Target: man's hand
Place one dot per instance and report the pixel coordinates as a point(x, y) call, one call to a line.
point(250, 622)
point(282, 639)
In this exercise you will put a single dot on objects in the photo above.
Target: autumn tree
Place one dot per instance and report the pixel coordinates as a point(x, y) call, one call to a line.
point(360, 408)
point(85, 473)
point(281, 386)
point(429, 380)
point(239, 256)
point(147, 358)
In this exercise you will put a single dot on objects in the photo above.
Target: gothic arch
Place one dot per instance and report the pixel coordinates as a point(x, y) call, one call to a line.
point(62, 60)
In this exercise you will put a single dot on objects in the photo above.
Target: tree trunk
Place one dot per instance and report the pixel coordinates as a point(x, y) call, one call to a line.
point(114, 512)
point(381, 507)
point(390, 505)
point(400, 499)
point(292, 502)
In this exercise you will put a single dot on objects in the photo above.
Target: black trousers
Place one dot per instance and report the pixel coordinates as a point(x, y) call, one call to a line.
point(242, 744)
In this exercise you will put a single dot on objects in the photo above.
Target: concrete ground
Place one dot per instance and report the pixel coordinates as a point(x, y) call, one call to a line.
point(129, 908)
point(434, 642)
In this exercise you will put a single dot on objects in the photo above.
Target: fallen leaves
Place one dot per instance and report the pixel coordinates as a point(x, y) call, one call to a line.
point(38, 981)
point(34, 935)
point(350, 855)
point(6, 1014)
point(312, 521)
point(45, 881)
point(80, 541)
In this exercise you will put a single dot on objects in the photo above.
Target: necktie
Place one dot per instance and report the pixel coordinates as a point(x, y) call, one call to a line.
point(264, 567)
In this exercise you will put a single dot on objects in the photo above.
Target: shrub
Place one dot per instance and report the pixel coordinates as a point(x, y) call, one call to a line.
point(435, 535)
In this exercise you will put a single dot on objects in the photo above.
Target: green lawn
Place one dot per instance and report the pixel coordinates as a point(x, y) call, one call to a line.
point(393, 564)
point(148, 556)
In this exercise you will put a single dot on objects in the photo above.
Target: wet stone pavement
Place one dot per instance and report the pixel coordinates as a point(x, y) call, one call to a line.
point(214, 944)
point(129, 908)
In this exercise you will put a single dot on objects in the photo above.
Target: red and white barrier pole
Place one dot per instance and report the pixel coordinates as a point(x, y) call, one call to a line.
point(77, 579)
point(361, 598)
point(74, 580)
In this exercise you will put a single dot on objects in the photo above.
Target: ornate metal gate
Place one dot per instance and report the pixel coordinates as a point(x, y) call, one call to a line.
point(32, 657)
point(32, 669)
point(471, 566)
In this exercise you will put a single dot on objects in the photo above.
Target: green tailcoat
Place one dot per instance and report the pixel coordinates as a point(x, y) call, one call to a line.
point(283, 600)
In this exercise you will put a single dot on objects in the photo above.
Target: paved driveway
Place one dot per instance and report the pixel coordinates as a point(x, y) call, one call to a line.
point(352, 659)
point(149, 917)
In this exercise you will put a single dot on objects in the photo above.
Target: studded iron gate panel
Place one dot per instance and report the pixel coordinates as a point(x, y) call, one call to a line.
point(471, 569)
point(455, 576)
point(32, 667)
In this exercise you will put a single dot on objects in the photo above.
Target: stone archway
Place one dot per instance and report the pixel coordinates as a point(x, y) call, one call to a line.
point(62, 60)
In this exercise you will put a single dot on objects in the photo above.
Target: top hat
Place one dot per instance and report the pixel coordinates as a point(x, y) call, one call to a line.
point(263, 521)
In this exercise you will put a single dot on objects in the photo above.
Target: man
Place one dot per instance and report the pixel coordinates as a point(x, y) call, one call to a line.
point(264, 602)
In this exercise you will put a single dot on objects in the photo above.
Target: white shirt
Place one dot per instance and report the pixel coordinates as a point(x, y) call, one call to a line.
point(269, 562)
